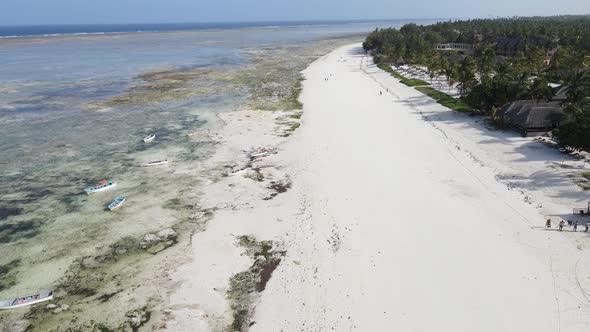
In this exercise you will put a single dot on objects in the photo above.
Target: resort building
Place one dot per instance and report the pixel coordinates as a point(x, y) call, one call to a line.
point(532, 117)
point(510, 47)
point(460, 47)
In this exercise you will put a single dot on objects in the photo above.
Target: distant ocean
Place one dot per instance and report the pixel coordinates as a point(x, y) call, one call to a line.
point(72, 29)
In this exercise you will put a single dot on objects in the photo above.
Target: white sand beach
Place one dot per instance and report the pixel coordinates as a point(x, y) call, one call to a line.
point(401, 216)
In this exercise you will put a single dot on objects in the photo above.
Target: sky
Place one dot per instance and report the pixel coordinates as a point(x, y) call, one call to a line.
point(41, 12)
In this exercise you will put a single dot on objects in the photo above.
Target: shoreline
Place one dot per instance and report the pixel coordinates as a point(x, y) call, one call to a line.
point(347, 254)
point(120, 274)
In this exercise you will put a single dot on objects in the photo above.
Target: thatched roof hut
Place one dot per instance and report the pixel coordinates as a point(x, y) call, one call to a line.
point(532, 117)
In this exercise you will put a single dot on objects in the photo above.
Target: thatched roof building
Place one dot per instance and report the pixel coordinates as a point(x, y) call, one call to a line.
point(532, 117)
point(510, 47)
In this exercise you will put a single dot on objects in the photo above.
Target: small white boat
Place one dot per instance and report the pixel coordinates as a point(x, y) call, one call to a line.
point(258, 152)
point(155, 163)
point(116, 203)
point(26, 300)
point(100, 186)
point(149, 138)
point(237, 171)
point(191, 134)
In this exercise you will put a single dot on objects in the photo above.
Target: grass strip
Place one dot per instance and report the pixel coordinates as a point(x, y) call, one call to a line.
point(404, 80)
point(445, 100)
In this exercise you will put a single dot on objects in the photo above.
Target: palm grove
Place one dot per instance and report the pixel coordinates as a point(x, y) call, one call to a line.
point(555, 50)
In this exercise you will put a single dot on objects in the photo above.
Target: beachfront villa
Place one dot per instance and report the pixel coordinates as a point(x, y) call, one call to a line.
point(461, 47)
point(505, 47)
point(531, 117)
point(510, 47)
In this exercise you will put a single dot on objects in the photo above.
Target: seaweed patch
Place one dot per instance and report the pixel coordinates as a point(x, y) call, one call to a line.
point(13, 231)
point(8, 275)
point(246, 286)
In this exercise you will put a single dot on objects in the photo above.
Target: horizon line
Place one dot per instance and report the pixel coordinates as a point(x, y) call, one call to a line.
point(371, 20)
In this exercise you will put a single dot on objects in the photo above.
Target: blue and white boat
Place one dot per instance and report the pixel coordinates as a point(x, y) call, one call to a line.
point(26, 300)
point(100, 186)
point(116, 203)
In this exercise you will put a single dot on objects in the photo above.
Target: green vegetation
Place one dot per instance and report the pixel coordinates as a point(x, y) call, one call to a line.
point(402, 79)
point(445, 100)
point(8, 275)
point(506, 59)
point(586, 175)
point(246, 285)
point(94, 283)
point(293, 98)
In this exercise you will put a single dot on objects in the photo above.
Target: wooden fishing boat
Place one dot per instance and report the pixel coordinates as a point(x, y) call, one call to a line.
point(155, 163)
point(26, 300)
point(149, 138)
point(258, 152)
point(100, 186)
point(116, 203)
point(237, 171)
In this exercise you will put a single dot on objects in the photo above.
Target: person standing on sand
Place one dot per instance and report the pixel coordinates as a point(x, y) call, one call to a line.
point(561, 223)
point(586, 227)
point(569, 223)
point(575, 226)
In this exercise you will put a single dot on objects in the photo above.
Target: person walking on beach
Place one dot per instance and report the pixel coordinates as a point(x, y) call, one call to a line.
point(569, 223)
point(586, 227)
point(575, 226)
point(561, 224)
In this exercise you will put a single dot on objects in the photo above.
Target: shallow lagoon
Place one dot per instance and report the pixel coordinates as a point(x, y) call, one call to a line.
point(74, 110)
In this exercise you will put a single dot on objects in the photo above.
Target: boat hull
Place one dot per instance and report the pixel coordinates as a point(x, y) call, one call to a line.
point(237, 172)
point(92, 190)
point(116, 203)
point(9, 304)
point(158, 163)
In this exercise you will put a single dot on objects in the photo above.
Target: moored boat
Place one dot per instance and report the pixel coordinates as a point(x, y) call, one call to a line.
point(116, 203)
point(26, 300)
point(258, 152)
point(155, 163)
point(100, 186)
point(237, 171)
point(149, 138)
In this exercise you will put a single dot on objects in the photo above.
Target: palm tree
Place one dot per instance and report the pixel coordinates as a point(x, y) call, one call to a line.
point(485, 63)
point(540, 89)
point(450, 74)
point(467, 74)
point(433, 67)
point(576, 85)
